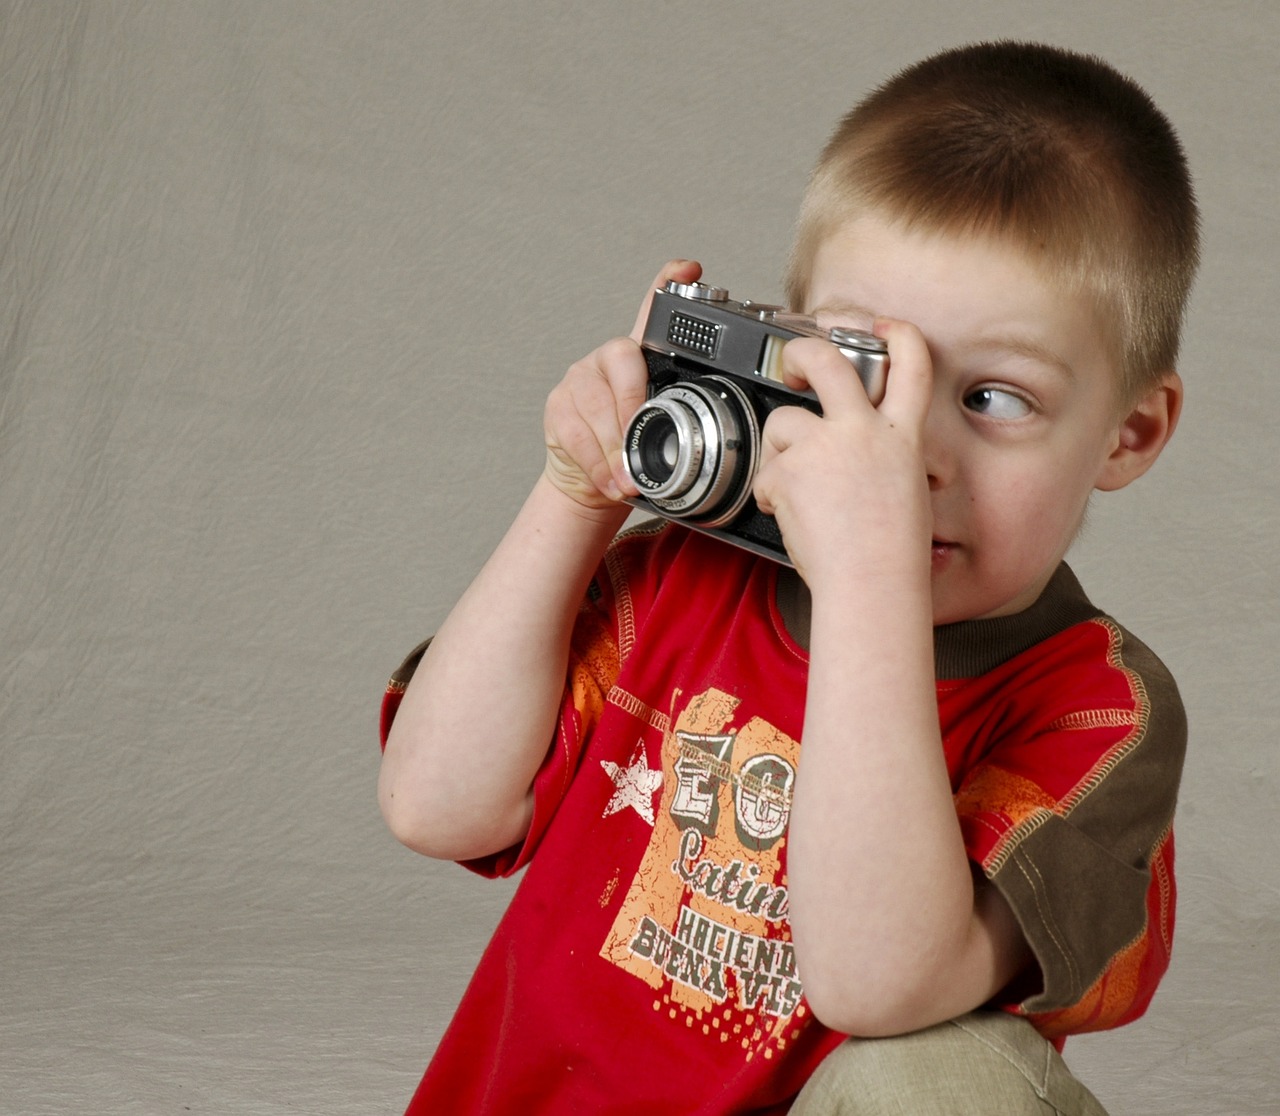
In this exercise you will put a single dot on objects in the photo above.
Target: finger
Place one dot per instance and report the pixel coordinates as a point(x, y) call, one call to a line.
point(783, 429)
point(678, 271)
point(607, 392)
point(626, 374)
point(909, 386)
point(811, 363)
point(581, 450)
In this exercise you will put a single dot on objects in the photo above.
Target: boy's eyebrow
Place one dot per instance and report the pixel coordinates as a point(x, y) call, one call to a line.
point(1023, 347)
point(1011, 343)
point(850, 308)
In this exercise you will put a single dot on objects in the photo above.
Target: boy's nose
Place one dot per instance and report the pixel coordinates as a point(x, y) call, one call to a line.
point(938, 459)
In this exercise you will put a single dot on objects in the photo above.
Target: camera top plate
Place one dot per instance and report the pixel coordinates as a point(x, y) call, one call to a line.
point(701, 323)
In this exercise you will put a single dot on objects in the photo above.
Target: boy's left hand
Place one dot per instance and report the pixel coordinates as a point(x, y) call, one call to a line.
point(850, 487)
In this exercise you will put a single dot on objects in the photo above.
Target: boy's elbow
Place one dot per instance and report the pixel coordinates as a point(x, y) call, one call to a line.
point(897, 991)
point(866, 1016)
point(443, 831)
point(410, 816)
point(422, 830)
point(406, 801)
point(408, 823)
point(879, 999)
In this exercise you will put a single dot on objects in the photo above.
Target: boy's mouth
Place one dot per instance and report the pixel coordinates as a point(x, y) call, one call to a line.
point(941, 552)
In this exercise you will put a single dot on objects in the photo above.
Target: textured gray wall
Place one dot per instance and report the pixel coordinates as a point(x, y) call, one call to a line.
point(283, 288)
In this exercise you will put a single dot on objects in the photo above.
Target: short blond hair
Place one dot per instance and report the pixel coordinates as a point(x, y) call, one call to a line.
point(1057, 152)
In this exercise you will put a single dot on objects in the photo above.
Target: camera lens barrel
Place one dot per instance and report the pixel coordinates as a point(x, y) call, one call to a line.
point(691, 450)
point(665, 445)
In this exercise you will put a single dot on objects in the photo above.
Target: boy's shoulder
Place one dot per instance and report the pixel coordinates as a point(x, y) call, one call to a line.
point(1063, 613)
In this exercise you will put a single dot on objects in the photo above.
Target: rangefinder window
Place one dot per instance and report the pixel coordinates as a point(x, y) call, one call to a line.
point(771, 358)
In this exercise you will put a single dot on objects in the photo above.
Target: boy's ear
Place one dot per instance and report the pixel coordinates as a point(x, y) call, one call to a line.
point(1143, 433)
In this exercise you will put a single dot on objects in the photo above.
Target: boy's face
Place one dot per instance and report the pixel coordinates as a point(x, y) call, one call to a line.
point(1024, 414)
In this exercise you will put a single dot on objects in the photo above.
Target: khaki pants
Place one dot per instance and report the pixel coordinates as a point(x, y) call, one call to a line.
point(984, 1064)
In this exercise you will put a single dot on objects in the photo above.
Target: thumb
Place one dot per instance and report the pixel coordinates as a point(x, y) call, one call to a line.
point(679, 271)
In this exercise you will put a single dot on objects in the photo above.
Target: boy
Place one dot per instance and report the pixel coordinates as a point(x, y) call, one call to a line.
point(978, 815)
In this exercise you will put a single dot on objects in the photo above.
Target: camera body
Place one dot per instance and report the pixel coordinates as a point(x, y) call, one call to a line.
point(715, 375)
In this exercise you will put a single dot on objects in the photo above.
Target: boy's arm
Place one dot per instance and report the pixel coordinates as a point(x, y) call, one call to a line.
point(891, 932)
point(478, 716)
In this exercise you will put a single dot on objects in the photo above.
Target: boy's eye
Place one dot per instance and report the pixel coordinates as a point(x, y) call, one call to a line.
point(997, 403)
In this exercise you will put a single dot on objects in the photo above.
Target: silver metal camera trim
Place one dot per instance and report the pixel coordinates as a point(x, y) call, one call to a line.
point(722, 438)
point(741, 327)
point(690, 446)
point(697, 291)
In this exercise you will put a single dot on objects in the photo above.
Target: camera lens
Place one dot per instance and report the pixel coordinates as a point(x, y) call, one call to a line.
point(658, 446)
point(664, 444)
point(691, 450)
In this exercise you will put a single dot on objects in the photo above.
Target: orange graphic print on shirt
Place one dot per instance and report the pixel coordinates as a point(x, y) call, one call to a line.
point(705, 920)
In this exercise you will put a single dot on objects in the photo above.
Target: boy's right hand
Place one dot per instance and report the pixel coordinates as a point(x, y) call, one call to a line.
point(588, 410)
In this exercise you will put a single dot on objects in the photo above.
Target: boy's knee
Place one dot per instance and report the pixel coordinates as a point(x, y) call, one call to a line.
point(972, 1066)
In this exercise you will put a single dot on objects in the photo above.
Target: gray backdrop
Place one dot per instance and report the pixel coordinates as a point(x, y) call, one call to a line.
point(283, 286)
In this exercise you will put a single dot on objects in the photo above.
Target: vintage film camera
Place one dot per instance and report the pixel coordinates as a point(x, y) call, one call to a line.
point(714, 376)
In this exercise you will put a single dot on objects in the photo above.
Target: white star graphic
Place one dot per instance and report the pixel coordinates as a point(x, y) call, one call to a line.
point(634, 785)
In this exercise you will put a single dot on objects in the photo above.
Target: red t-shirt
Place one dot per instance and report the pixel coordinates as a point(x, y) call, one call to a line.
point(645, 962)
